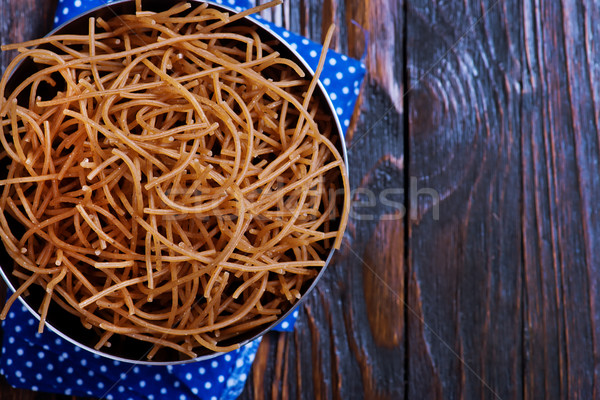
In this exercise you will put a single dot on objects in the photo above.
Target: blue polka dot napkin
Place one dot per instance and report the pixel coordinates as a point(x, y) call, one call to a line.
point(45, 362)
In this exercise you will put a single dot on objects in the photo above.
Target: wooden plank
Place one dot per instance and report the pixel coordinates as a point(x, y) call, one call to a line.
point(23, 20)
point(349, 340)
point(465, 267)
point(560, 190)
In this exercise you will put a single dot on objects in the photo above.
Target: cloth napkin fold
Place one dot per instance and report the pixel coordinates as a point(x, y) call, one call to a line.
point(45, 362)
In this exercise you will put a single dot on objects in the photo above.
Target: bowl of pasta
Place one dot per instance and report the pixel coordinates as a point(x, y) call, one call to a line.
point(175, 180)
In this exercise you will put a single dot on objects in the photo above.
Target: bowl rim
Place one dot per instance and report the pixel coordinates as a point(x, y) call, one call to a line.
point(341, 146)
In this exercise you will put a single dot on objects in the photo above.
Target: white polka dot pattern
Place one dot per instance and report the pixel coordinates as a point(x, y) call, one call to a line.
point(48, 363)
point(60, 373)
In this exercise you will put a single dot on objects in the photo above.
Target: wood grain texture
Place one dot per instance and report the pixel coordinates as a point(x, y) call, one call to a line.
point(466, 271)
point(560, 190)
point(23, 20)
point(492, 292)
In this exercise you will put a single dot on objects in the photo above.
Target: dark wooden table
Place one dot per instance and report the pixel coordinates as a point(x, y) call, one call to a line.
point(492, 108)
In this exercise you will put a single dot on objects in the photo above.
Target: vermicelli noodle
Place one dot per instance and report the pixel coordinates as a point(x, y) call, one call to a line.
point(170, 178)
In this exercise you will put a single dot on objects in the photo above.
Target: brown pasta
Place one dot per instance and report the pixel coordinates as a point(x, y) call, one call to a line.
point(171, 178)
